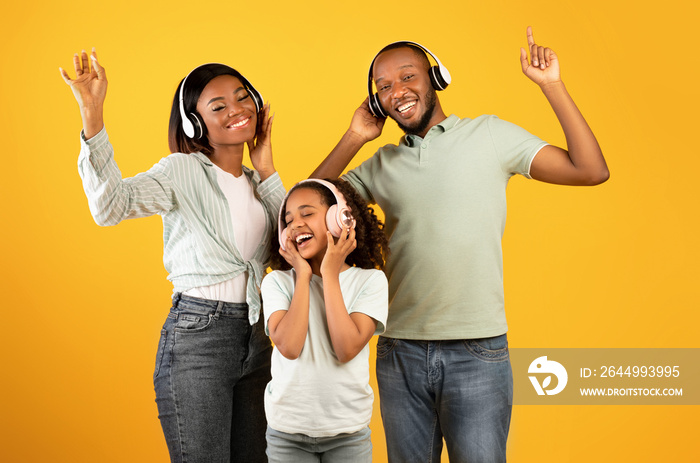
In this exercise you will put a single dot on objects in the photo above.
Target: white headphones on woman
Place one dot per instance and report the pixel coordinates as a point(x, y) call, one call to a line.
point(339, 215)
point(439, 76)
point(192, 125)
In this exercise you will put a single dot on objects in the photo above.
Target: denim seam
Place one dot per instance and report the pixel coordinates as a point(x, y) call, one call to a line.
point(173, 394)
point(432, 436)
point(161, 351)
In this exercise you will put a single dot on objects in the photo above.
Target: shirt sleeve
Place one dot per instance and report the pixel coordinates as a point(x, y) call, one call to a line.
point(361, 179)
point(271, 192)
point(276, 295)
point(515, 146)
point(113, 199)
point(373, 300)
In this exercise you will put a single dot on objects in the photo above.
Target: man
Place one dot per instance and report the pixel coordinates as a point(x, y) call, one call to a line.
point(442, 365)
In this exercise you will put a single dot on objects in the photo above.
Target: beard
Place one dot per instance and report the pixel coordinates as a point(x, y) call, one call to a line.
point(422, 124)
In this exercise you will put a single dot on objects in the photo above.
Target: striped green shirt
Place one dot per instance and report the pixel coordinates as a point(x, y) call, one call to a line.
point(199, 246)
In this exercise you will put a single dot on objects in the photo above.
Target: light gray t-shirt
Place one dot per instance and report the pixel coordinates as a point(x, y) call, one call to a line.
point(315, 394)
point(444, 199)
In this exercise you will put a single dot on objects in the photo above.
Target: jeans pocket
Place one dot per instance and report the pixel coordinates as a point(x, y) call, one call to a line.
point(385, 346)
point(192, 323)
point(160, 352)
point(493, 349)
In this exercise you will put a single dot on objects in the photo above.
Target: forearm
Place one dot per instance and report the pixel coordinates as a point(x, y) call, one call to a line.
point(339, 157)
point(347, 338)
point(289, 334)
point(113, 199)
point(584, 152)
point(93, 119)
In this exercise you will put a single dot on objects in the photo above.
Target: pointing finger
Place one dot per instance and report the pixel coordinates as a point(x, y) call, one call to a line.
point(530, 37)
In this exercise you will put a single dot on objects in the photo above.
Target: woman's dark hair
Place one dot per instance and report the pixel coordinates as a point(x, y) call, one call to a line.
point(372, 244)
point(196, 81)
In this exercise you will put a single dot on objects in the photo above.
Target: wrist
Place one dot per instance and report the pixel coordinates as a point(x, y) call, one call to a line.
point(266, 173)
point(355, 139)
point(551, 87)
point(303, 274)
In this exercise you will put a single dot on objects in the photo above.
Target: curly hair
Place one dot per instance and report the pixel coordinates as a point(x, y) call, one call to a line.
point(372, 244)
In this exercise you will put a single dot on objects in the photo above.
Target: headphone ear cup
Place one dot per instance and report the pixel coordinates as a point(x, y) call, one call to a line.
point(375, 106)
point(283, 238)
point(199, 129)
point(332, 221)
point(436, 78)
point(257, 98)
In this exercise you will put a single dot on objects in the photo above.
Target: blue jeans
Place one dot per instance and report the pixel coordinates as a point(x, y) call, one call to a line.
point(212, 367)
point(299, 448)
point(461, 390)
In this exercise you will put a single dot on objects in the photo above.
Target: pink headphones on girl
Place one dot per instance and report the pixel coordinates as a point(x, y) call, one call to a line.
point(339, 215)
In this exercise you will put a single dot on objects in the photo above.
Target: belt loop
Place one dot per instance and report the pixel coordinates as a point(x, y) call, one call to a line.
point(176, 299)
point(219, 306)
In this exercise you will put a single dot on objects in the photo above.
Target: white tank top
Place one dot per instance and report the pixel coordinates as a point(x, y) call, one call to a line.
point(248, 218)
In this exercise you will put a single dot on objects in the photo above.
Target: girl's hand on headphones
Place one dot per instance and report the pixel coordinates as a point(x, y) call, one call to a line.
point(291, 255)
point(543, 66)
point(260, 148)
point(90, 89)
point(337, 252)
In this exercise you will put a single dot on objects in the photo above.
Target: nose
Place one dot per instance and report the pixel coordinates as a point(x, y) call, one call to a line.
point(296, 222)
point(235, 109)
point(398, 90)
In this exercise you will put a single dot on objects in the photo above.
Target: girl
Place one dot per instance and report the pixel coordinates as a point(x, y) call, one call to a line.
point(213, 358)
point(321, 315)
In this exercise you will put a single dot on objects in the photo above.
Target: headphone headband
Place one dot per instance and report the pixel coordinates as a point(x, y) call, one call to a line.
point(439, 76)
point(192, 125)
point(339, 215)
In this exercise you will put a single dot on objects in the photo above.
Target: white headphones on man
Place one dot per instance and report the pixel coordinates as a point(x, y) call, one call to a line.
point(339, 215)
point(439, 76)
point(192, 124)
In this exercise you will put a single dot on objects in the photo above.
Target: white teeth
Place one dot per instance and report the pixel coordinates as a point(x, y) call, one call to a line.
point(239, 124)
point(406, 107)
point(303, 237)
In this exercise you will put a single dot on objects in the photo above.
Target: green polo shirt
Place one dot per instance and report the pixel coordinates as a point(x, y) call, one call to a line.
point(444, 200)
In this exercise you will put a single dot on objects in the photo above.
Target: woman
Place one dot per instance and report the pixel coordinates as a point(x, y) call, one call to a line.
point(213, 359)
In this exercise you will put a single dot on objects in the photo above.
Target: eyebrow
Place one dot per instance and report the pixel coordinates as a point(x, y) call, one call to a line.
point(221, 97)
point(401, 68)
point(303, 206)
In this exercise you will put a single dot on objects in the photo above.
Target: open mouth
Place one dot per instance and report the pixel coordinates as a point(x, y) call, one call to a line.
point(301, 239)
point(405, 108)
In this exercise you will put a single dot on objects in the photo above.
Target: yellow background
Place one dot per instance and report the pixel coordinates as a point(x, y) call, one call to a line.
point(610, 266)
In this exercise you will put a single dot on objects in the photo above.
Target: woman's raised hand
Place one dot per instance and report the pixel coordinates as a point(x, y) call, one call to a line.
point(260, 149)
point(89, 88)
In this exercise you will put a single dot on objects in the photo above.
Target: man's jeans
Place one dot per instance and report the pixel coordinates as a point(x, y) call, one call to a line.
point(461, 390)
point(212, 367)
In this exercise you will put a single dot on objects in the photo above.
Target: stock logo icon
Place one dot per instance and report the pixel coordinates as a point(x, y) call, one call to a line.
point(541, 366)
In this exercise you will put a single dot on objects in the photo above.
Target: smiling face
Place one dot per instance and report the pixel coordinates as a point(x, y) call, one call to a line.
point(305, 219)
point(405, 91)
point(228, 111)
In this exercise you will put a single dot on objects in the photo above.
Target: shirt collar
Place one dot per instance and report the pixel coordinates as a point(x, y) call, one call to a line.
point(437, 129)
